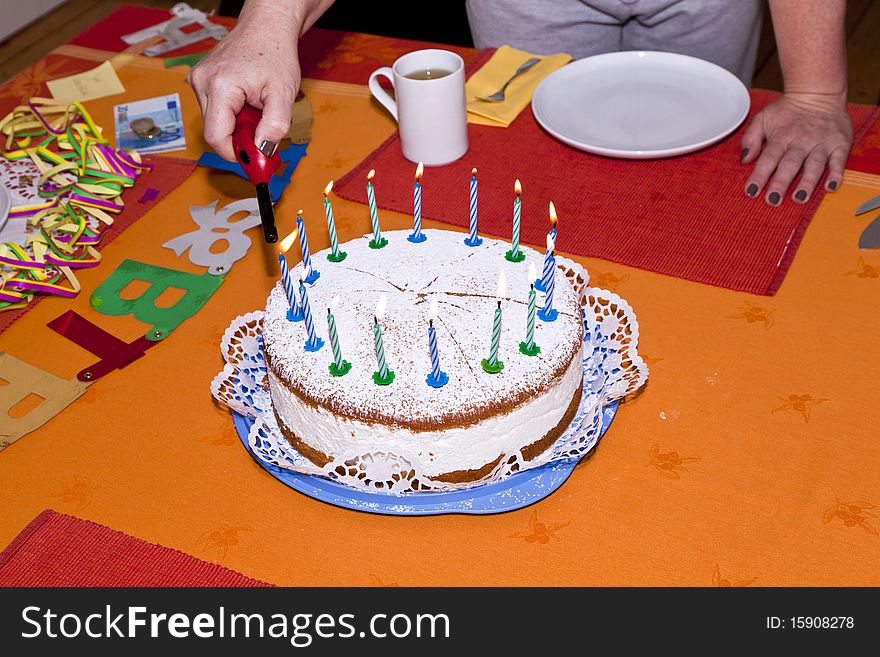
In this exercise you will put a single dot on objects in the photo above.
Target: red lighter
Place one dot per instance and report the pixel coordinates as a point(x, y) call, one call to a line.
point(258, 163)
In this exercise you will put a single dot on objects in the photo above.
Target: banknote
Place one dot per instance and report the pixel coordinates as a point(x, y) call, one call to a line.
point(152, 125)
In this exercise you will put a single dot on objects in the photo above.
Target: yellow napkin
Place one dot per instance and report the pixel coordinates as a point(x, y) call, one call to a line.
point(492, 76)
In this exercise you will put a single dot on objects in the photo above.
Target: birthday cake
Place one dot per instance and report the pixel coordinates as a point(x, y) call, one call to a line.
point(458, 403)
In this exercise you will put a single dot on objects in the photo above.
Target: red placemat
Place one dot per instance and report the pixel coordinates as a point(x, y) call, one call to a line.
point(684, 216)
point(165, 176)
point(60, 550)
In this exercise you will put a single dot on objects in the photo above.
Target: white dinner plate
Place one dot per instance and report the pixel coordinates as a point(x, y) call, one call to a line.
point(640, 105)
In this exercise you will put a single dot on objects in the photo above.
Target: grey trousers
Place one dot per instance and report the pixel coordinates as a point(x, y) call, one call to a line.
point(725, 32)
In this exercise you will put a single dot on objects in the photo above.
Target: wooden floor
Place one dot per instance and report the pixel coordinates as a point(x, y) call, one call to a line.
point(57, 27)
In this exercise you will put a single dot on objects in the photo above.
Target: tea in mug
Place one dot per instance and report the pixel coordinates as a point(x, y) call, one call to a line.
point(428, 74)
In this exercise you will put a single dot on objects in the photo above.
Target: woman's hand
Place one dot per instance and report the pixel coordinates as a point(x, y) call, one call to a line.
point(799, 133)
point(256, 63)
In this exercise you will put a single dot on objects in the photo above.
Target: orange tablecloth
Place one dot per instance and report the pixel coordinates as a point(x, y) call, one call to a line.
point(751, 457)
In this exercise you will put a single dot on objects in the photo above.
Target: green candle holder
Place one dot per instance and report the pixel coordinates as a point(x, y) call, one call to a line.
point(492, 369)
point(340, 371)
point(525, 349)
point(519, 257)
point(379, 381)
point(378, 245)
point(339, 257)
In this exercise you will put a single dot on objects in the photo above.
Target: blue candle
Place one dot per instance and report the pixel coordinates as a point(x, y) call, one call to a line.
point(304, 247)
point(313, 343)
point(294, 312)
point(436, 378)
point(549, 260)
point(548, 313)
point(417, 234)
point(472, 239)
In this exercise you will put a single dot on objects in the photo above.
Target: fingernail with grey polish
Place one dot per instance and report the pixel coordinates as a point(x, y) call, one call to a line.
point(801, 195)
point(752, 190)
point(832, 185)
point(743, 155)
point(773, 198)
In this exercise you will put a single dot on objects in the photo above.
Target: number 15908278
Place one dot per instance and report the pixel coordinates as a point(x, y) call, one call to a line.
point(810, 623)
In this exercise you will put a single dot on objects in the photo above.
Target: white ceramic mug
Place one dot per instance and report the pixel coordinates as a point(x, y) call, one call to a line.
point(430, 113)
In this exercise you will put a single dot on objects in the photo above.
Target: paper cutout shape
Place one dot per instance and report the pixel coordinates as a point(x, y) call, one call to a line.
point(278, 183)
point(198, 289)
point(867, 206)
point(870, 238)
point(215, 225)
point(113, 352)
point(175, 37)
point(23, 380)
point(96, 83)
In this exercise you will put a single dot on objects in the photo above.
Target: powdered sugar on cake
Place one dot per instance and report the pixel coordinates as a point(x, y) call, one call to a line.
point(465, 280)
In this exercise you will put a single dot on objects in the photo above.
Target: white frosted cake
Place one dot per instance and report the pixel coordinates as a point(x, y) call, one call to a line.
point(458, 432)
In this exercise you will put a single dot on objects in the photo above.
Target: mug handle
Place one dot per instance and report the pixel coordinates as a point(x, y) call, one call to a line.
point(379, 93)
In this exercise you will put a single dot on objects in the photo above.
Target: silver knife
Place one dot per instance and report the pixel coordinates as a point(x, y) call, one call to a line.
point(867, 206)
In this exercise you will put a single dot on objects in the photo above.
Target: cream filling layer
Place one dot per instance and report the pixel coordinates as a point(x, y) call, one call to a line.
point(435, 452)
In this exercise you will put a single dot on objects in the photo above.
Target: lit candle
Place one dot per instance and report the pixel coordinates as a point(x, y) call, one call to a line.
point(491, 364)
point(294, 312)
point(417, 234)
point(472, 239)
point(543, 282)
point(378, 241)
point(338, 367)
point(548, 313)
point(528, 347)
point(304, 247)
point(313, 343)
point(384, 376)
point(515, 255)
point(335, 254)
point(436, 378)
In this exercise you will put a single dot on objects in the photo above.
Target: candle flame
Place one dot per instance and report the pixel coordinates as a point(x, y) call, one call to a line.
point(553, 218)
point(299, 213)
point(381, 306)
point(502, 287)
point(551, 243)
point(432, 312)
point(371, 174)
point(334, 304)
point(474, 172)
point(328, 188)
point(517, 187)
point(288, 241)
point(532, 273)
point(419, 171)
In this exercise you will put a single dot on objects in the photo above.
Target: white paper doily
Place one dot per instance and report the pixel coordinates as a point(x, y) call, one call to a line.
point(612, 370)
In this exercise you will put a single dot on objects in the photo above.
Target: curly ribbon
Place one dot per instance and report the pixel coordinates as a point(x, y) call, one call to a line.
point(81, 182)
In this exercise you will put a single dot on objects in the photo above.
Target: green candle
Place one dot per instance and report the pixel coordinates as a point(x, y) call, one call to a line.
point(515, 255)
point(528, 347)
point(384, 376)
point(491, 364)
point(378, 241)
point(338, 367)
point(335, 254)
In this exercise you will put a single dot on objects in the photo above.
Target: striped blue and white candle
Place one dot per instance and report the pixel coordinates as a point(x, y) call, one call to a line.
point(549, 264)
point(312, 343)
point(377, 336)
point(553, 221)
point(417, 203)
point(473, 239)
point(303, 242)
point(547, 310)
point(286, 278)
point(331, 223)
point(432, 339)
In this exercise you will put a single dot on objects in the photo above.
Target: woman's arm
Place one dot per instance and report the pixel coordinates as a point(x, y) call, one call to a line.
point(256, 63)
point(808, 128)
